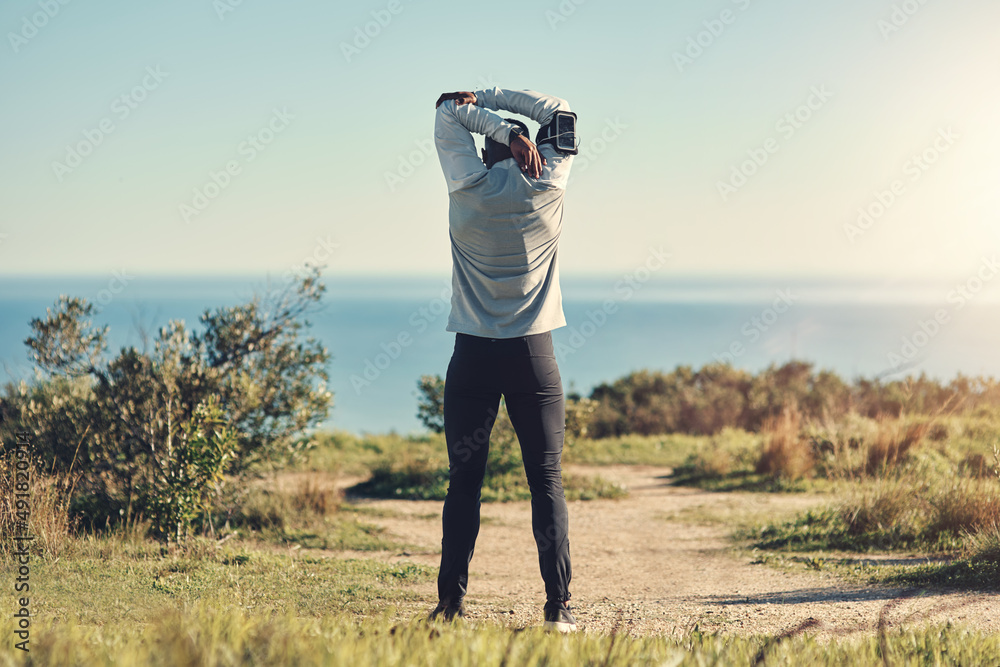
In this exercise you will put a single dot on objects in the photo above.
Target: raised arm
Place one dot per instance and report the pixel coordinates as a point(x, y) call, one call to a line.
point(540, 108)
point(456, 119)
point(534, 105)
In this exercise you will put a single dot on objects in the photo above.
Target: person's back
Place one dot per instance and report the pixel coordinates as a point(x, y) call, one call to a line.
point(504, 223)
point(505, 219)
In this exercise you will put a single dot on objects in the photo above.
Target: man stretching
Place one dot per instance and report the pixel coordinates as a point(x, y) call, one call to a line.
point(505, 217)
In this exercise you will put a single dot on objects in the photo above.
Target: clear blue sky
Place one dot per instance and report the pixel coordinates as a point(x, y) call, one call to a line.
point(677, 129)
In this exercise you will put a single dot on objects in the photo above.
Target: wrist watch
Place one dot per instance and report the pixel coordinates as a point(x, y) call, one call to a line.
point(515, 132)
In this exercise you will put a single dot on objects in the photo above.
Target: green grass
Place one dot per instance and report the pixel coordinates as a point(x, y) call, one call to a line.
point(349, 454)
point(304, 510)
point(749, 481)
point(419, 481)
point(977, 567)
point(103, 583)
point(825, 529)
point(655, 450)
point(952, 522)
point(340, 534)
point(421, 472)
point(963, 573)
point(726, 462)
point(736, 511)
point(909, 570)
point(905, 513)
point(120, 600)
point(204, 634)
point(415, 467)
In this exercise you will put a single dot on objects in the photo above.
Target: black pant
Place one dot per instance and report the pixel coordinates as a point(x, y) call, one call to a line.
point(524, 370)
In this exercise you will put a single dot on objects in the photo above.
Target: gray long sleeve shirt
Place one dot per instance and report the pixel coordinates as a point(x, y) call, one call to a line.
point(504, 225)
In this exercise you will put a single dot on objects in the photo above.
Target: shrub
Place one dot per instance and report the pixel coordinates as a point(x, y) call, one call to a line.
point(193, 468)
point(892, 445)
point(899, 513)
point(966, 506)
point(579, 416)
point(709, 463)
point(430, 406)
point(122, 413)
point(839, 446)
point(411, 478)
point(882, 508)
point(786, 454)
point(702, 402)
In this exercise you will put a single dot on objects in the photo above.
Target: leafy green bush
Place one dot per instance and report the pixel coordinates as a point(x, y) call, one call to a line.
point(114, 419)
point(430, 408)
point(193, 467)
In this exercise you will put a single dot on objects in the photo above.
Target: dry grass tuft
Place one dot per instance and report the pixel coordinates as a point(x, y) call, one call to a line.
point(892, 445)
point(967, 506)
point(881, 507)
point(984, 545)
point(316, 496)
point(976, 464)
point(939, 432)
point(786, 453)
point(47, 507)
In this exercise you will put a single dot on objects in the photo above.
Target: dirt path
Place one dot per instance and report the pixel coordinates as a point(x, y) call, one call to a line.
point(650, 563)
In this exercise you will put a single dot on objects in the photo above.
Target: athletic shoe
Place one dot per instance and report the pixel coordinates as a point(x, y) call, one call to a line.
point(558, 618)
point(448, 611)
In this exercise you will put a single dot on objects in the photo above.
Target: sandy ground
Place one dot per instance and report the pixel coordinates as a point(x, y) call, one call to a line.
point(652, 563)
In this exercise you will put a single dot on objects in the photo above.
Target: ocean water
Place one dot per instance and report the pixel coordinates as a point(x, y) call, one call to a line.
point(384, 333)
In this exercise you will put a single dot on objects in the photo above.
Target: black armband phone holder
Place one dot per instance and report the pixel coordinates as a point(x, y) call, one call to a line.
point(560, 132)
